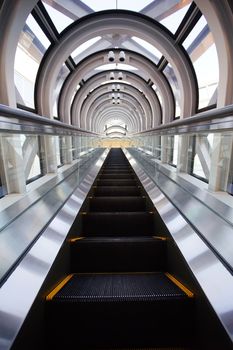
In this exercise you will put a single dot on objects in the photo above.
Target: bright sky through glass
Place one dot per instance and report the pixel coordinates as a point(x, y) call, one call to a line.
point(85, 46)
point(33, 25)
point(121, 66)
point(147, 46)
point(132, 5)
point(60, 20)
point(173, 21)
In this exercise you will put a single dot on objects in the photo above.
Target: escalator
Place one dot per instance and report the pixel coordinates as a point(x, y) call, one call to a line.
point(119, 293)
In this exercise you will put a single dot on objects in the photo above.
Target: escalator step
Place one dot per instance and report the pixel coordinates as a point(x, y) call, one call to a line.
point(117, 191)
point(112, 287)
point(116, 171)
point(116, 182)
point(126, 176)
point(124, 166)
point(118, 223)
point(100, 254)
point(120, 310)
point(108, 204)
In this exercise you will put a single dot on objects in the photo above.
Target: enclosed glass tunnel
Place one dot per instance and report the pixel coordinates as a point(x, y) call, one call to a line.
point(78, 78)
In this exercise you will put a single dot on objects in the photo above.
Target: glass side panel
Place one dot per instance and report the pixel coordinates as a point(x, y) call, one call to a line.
point(173, 149)
point(30, 50)
point(156, 146)
point(31, 156)
point(202, 146)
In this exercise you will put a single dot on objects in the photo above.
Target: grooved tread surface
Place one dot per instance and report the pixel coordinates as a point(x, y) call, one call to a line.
point(122, 287)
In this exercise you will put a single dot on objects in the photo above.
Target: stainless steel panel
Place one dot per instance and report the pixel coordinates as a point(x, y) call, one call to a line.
point(213, 220)
point(19, 291)
point(214, 278)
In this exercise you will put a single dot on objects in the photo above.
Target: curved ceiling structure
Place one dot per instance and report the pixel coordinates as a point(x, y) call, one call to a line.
point(120, 23)
point(96, 65)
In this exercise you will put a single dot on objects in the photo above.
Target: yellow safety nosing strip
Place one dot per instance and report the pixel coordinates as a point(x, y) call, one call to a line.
point(90, 197)
point(180, 285)
point(160, 237)
point(58, 287)
point(84, 213)
point(75, 239)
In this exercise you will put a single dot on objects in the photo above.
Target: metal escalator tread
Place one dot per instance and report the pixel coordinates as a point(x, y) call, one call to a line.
point(116, 287)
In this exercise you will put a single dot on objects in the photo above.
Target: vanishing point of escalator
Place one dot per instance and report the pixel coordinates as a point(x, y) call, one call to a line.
point(119, 294)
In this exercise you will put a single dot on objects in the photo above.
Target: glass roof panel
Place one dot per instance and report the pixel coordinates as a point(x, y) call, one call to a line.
point(30, 50)
point(195, 32)
point(60, 20)
point(152, 49)
point(85, 46)
point(173, 21)
point(121, 66)
point(138, 5)
point(37, 31)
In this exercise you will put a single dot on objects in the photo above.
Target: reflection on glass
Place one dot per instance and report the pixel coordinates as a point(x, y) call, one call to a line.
point(169, 73)
point(201, 149)
point(31, 157)
point(156, 144)
point(173, 149)
point(173, 20)
point(58, 146)
point(30, 50)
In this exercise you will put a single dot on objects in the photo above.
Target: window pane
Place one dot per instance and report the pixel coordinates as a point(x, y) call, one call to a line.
point(138, 5)
point(173, 21)
point(59, 18)
point(202, 51)
point(201, 155)
point(30, 50)
point(147, 46)
point(80, 49)
point(173, 149)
